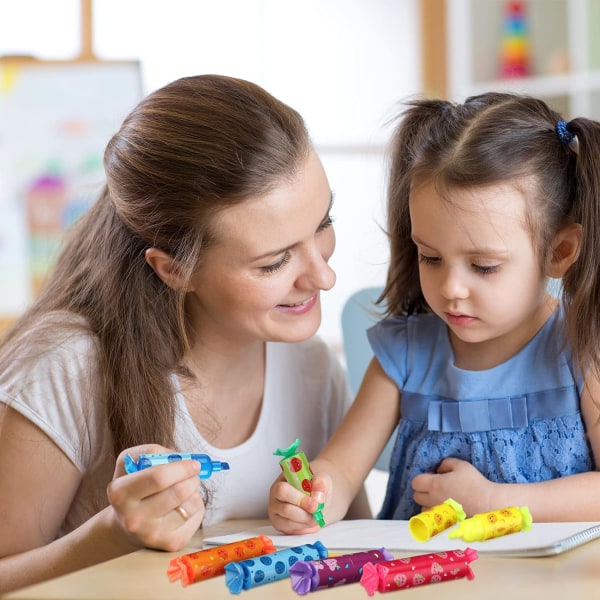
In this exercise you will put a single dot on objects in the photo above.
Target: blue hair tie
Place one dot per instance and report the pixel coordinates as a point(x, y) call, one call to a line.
point(564, 135)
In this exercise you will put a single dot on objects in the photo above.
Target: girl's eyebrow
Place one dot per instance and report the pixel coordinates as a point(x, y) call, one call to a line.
point(419, 242)
point(273, 253)
point(474, 251)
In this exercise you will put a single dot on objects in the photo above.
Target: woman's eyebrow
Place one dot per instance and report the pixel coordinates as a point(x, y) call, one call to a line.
point(273, 253)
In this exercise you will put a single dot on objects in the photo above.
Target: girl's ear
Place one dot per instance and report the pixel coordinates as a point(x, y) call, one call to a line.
point(165, 267)
point(565, 250)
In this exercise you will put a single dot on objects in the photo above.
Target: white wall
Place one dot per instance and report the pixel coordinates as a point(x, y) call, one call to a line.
point(344, 64)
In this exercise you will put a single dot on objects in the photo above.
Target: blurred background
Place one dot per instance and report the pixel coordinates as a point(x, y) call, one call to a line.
point(344, 64)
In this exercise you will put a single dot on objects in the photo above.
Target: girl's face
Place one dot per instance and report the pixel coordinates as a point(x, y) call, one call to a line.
point(262, 279)
point(478, 268)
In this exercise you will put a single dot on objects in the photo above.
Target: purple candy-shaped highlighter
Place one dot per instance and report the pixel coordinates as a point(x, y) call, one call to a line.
point(313, 575)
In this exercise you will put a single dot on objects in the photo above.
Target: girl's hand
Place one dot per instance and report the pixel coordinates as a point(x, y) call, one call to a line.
point(291, 511)
point(456, 479)
point(159, 507)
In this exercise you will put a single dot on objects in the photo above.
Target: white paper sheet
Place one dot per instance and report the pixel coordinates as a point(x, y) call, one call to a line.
point(543, 539)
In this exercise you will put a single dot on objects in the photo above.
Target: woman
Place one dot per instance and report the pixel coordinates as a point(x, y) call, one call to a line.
point(180, 315)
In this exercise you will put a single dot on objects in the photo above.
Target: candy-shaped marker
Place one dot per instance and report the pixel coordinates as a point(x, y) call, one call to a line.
point(436, 519)
point(415, 571)
point(297, 472)
point(313, 575)
point(207, 465)
point(250, 573)
point(496, 523)
point(211, 562)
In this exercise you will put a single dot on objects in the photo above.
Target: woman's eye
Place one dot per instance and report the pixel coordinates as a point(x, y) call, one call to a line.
point(328, 222)
point(486, 270)
point(278, 265)
point(428, 260)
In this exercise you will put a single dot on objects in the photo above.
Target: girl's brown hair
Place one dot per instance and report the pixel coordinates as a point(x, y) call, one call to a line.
point(502, 138)
point(184, 153)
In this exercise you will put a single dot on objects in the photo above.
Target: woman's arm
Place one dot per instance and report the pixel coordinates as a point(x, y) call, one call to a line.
point(38, 486)
point(342, 466)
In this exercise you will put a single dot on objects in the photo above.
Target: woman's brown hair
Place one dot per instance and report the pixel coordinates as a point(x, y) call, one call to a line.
point(184, 153)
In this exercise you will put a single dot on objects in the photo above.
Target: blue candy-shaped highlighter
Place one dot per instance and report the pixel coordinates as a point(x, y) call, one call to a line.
point(252, 572)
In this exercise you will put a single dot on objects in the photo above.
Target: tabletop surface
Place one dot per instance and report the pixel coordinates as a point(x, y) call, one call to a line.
point(142, 575)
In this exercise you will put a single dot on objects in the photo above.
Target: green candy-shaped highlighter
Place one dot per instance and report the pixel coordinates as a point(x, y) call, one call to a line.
point(297, 472)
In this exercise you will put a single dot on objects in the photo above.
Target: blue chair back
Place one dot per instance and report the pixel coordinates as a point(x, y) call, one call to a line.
point(358, 314)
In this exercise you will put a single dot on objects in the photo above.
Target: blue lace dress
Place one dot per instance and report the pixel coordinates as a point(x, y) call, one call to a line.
point(518, 422)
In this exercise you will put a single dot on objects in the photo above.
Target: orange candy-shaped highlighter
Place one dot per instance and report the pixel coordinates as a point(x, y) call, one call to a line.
point(211, 562)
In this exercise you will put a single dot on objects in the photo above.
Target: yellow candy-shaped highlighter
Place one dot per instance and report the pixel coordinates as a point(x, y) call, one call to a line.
point(495, 523)
point(436, 519)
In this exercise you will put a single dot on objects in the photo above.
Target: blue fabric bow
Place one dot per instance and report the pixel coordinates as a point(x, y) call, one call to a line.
point(447, 415)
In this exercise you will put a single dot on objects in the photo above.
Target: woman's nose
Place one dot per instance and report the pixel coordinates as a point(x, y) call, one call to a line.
point(317, 274)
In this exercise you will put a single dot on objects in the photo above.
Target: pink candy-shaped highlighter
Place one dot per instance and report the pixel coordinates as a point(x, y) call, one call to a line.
point(415, 571)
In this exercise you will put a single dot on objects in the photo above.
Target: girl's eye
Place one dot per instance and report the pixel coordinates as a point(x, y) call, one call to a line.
point(428, 260)
point(328, 222)
point(486, 270)
point(278, 265)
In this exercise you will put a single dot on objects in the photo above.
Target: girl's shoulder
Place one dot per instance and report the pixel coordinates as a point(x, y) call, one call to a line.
point(402, 344)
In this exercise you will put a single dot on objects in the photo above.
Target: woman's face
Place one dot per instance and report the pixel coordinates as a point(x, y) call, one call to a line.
point(262, 278)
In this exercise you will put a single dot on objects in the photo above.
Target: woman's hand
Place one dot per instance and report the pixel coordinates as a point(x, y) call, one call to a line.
point(159, 507)
point(456, 479)
point(291, 511)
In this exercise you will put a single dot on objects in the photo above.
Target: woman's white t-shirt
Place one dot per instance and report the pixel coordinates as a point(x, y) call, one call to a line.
point(306, 394)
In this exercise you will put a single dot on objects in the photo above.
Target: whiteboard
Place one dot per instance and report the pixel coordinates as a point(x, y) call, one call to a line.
point(55, 121)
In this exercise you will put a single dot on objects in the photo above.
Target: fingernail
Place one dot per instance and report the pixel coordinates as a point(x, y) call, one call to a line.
point(318, 496)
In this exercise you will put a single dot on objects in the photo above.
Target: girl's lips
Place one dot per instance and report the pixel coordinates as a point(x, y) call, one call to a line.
point(300, 308)
point(459, 320)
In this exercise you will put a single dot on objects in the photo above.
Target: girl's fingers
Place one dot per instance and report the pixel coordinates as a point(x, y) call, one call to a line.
point(289, 503)
point(292, 520)
point(318, 494)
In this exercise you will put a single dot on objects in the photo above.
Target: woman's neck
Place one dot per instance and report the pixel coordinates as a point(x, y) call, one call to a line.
point(224, 391)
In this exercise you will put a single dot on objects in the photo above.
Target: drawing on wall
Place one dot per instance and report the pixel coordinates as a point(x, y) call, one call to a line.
point(55, 120)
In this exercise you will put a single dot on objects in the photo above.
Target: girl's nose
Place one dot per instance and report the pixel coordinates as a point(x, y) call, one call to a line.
point(453, 286)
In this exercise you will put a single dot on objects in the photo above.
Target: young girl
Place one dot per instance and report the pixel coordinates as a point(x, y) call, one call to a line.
point(494, 382)
point(180, 315)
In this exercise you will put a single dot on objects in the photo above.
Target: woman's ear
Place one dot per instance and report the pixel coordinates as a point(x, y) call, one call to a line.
point(165, 267)
point(565, 250)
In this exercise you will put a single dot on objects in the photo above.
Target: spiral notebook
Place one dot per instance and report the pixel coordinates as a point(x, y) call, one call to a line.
point(543, 539)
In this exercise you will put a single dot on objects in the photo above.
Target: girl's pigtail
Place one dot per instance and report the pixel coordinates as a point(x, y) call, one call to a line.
point(581, 283)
